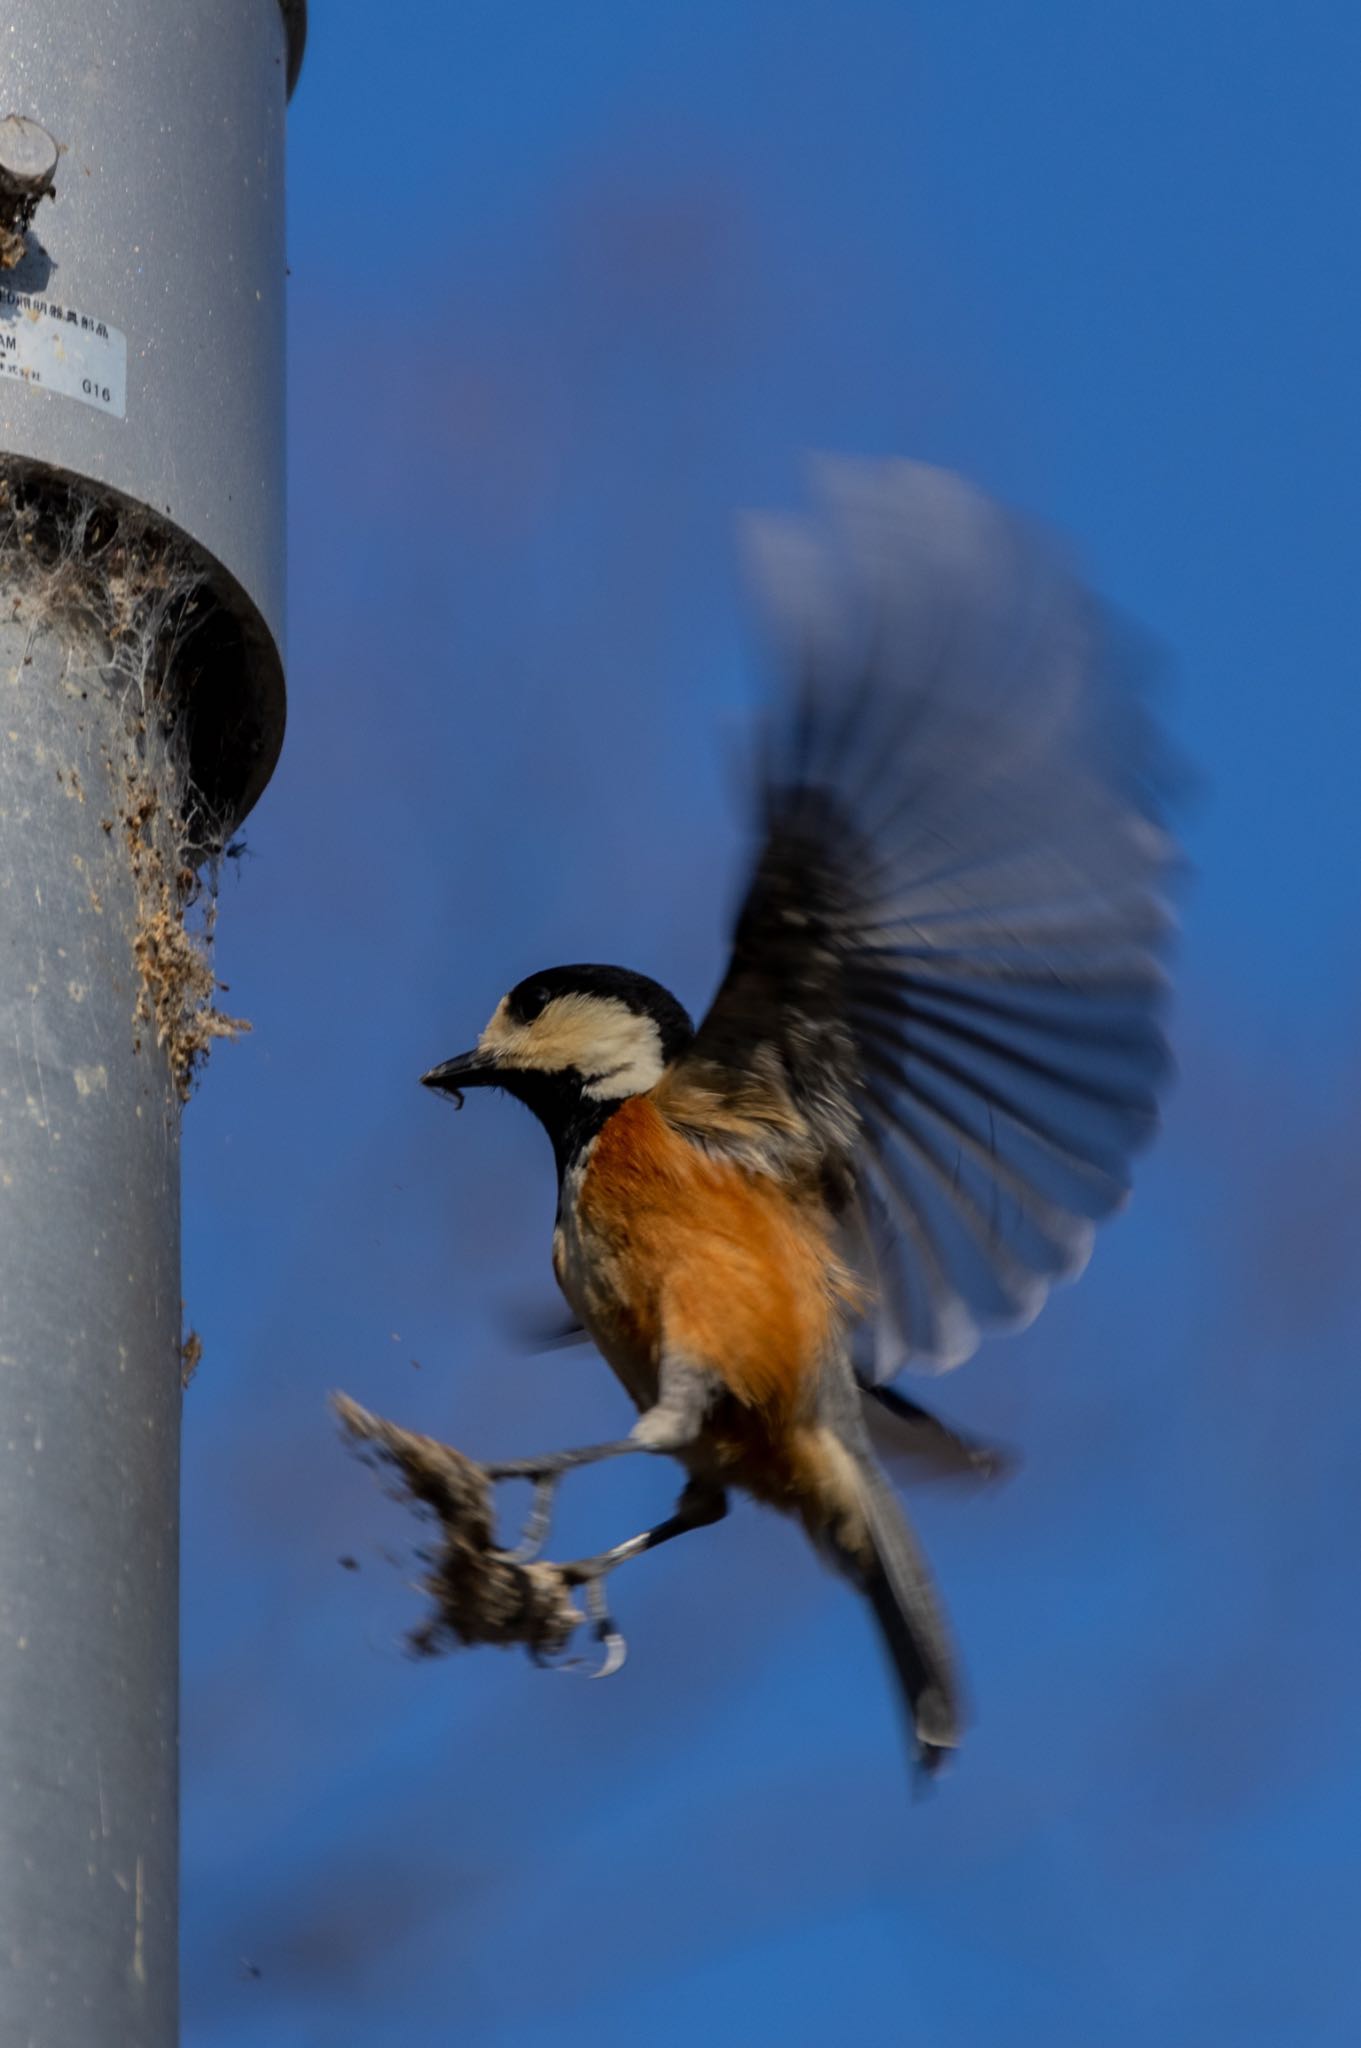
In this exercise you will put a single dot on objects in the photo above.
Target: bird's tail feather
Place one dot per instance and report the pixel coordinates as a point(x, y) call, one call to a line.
point(897, 1583)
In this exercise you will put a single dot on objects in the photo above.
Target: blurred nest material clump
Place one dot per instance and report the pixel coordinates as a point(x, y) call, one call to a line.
point(132, 603)
point(480, 1593)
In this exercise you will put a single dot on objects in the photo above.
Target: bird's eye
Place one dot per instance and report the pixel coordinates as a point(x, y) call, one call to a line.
point(529, 1003)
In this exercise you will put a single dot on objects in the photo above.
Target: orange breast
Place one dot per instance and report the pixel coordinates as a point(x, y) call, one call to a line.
point(700, 1256)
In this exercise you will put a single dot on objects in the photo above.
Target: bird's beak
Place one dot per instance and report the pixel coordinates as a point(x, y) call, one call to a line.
point(467, 1070)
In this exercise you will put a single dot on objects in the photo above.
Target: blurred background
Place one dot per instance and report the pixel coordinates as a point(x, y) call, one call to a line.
point(629, 263)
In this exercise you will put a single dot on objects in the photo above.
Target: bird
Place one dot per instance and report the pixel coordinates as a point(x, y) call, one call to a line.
point(938, 1044)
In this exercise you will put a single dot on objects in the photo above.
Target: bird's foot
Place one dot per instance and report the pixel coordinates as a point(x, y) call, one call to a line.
point(700, 1505)
point(484, 1593)
point(606, 1631)
point(538, 1521)
point(545, 1474)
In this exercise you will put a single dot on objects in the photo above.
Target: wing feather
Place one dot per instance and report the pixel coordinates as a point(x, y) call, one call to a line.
point(949, 955)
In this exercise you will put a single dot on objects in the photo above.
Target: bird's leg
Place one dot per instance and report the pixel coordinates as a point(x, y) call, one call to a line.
point(554, 1463)
point(546, 1474)
point(701, 1504)
point(685, 1393)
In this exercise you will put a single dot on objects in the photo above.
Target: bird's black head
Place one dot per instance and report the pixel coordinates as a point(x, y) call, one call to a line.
point(573, 1043)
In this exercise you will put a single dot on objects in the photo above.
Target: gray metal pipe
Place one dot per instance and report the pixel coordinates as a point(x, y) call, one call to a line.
point(141, 709)
point(142, 336)
point(89, 1387)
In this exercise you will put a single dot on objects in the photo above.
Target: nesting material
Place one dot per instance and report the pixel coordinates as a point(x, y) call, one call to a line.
point(179, 989)
point(479, 1593)
point(191, 1354)
point(130, 600)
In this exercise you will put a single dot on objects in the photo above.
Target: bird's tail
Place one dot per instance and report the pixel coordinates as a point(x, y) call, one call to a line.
point(893, 1575)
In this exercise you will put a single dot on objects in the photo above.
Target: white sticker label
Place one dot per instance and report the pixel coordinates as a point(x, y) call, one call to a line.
point(61, 349)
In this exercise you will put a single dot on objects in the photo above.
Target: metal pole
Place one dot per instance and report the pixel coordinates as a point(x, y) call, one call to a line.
point(141, 507)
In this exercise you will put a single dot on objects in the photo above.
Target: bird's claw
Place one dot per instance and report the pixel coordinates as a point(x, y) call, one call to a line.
point(605, 1630)
point(589, 1574)
point(696, 1509)
point(538, 1521)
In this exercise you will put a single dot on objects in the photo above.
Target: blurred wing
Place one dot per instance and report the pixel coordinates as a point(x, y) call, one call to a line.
point(947, 957)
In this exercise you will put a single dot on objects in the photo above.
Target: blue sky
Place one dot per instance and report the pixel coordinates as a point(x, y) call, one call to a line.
point(630, 262)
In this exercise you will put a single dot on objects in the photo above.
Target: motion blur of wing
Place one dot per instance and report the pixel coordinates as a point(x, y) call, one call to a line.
point(951, 939)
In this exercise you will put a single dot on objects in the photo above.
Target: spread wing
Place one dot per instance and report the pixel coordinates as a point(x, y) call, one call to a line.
point(947, 960)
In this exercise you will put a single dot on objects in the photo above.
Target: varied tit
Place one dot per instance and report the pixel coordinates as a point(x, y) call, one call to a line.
point(935, 1049)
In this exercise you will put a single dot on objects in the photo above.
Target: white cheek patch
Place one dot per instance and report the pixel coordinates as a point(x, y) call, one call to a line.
point(630, 1065)
point(495, 1040)
point(615, 1050)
